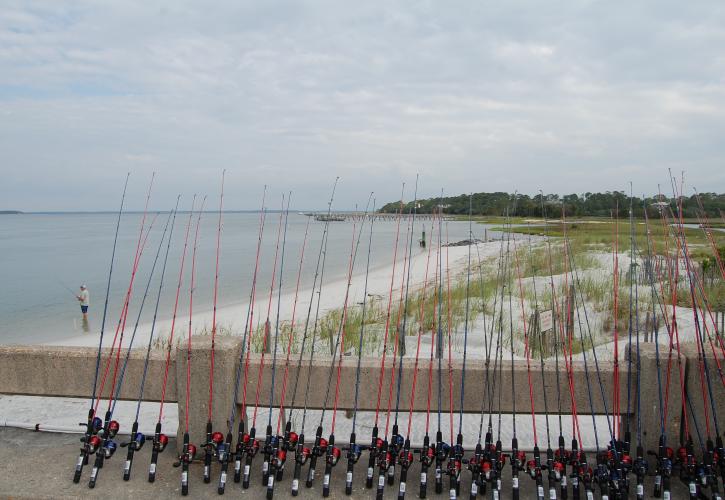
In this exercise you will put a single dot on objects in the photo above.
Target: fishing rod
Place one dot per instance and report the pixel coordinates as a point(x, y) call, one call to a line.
point(354, 450)
point(533, 468)
point(111, 427)
point(127, 298)
point(188, 452)
point(243, 439)
point(271, 443)
point(215, 446)
point(455, 457)
point(332, 453)
point(93, 424)
point(161, 440)
point(396, 444)
point(664, 453)
point(427, 452)
point(376, 445)
point(286, 443)
point(385, 456)
point(706, 471)
point(482, 462)
point(253, 445)
point(537, 466)
point(302, 452)
point(684, 457)
point(138, 438)
point(405, 458)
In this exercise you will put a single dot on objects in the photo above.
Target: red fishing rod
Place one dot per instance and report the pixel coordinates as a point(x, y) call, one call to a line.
point(271, 444)
point(160, 439)
point(253, 444)
point(111, 427)
point(405, 458)
point(388, 452)
point(286, 443)
point(93, 424)
point(215, 445)
point(376, 444)
point(188, 452)
point(332, 453)
point(243, 438)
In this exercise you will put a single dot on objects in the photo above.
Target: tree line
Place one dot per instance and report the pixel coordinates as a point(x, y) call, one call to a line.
point(587, 204)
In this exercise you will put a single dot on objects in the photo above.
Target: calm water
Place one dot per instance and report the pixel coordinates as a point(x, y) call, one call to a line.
point(43, 255)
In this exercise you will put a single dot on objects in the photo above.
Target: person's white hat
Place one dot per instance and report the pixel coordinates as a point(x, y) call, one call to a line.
point(83, 286)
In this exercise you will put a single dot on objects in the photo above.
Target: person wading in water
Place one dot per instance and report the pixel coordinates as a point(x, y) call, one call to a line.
point(84, 298)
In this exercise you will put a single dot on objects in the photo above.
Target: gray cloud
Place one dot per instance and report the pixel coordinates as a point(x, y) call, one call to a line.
point(564, 96)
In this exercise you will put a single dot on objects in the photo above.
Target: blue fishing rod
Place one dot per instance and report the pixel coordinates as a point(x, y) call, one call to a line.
point(354, 450)
point(455, 457)
point(297, 441)
point(398, 445)
point(332, 453)
point(138, 438)
point(94, 424)
point(243, 437)
point(271, 442)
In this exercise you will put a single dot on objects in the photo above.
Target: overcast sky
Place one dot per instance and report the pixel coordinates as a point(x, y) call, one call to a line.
point(566, 97)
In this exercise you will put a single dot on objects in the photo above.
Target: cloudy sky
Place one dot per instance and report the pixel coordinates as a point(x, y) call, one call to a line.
point(480, 95)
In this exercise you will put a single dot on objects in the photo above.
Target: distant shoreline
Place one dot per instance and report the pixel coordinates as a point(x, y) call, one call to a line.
point(10, 212)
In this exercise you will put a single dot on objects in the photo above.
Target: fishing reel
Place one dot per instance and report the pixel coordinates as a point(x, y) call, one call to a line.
point(187, 456)
point(427, 454)
point(251, 445)
point(161, 442)
point(278, 459)
point(519, 460)
point(113, 428)
point(136, 442)
point(333, 455)
point(532, 469)
point(319, 449)
point(302, 453)
point(354, 452)
point(91, 445)
point(109, 448)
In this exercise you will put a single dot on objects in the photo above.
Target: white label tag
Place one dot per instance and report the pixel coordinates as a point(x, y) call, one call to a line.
point(423, 478)
point(311, 475)
point(246, 470)
point(574, 482)
point(391, 471)
point(438, 473)
point(94, 472)
point(80, 461)
point(326, 480)
point(295, 484)
point(495, 494)
point(590, 495)
point(658, 480)
point(402, 487)
point(474, 489)
point(265, 467)
point(498, 484)
point(223, 479)
point(640, 489)
point(666, 495)
point(237, 466)
point(452, 494)
point(206, 471)
point(370, 472)
point(563, 480)
point(515, 483)
point(270, 481)
point(348, 477)
point(152, 469)
point(184, 477)
point(540, 490)
point(126, 466)
point(552, 493)
point(693, 489)
point(604, 497)
point(381, 481)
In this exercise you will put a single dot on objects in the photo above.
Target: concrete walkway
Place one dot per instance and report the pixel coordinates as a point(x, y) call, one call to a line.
point(40, 465)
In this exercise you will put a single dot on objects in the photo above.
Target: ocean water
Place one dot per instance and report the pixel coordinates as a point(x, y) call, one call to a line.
point(45, 257)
